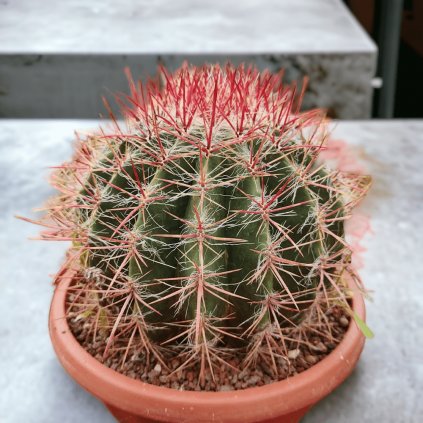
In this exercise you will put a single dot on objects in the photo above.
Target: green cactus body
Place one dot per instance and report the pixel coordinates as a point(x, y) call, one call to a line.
point(249, 278)
point(156, 230)
point(255, 235)
point(108, 220)
point(214, 214)
point(203, 256)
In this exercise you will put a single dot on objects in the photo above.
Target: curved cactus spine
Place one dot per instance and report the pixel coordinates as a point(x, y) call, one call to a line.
point(211, 220)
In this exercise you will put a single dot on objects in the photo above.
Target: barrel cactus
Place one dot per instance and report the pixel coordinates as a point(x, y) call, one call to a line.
point(207, 222)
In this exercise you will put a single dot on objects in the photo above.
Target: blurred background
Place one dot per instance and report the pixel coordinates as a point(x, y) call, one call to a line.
point(396, 26)
point(364, 58)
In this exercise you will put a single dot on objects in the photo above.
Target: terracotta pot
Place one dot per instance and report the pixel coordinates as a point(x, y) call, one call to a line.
point(133, 401)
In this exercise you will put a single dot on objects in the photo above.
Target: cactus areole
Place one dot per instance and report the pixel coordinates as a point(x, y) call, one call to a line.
point(206, 223)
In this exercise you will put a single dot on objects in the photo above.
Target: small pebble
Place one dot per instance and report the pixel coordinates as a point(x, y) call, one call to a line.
point(267, 370)
point(311, 359)
point(320, 347)
point(293, 354)
point(301, 362)
point(343, 321)
point(253, 380)
point(174, 364)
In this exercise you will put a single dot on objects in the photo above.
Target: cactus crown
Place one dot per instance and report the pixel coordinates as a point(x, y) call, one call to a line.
point(208, 223)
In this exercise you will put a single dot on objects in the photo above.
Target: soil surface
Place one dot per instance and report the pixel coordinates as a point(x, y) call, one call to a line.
point(299, 357)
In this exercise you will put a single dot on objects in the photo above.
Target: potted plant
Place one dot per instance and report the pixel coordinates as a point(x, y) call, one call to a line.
point(209, 278)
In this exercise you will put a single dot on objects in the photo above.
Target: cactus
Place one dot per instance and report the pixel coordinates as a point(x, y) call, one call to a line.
point(208, 222)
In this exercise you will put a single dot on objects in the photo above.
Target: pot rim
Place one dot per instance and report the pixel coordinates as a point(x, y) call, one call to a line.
point(252, 404)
